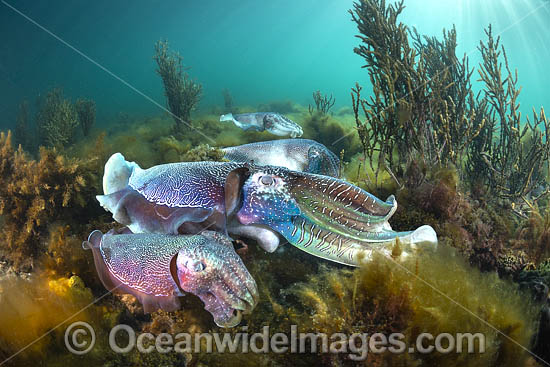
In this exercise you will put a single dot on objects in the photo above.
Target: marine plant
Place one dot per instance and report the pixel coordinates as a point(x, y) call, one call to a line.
point(420, 295)
point(56, 120)
point(35, 193)
point(37, 312)
point(203, 152)
point(537, 280)
point(284, 106)
point(182, 93)
point(62, 255)
point(533, 234)
point(331, 132)
point(22, 132)
point(423, 105)
point(423, 109)
point(474, 226)
point(323, 103)
point(511, 155)
point(85, 109)
point(227, 101)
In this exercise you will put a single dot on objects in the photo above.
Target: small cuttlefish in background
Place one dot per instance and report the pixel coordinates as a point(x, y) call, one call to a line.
point(273, 122)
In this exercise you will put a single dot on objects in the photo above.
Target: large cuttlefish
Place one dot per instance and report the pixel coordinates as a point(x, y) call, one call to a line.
point(322, 215)
point(158, 268)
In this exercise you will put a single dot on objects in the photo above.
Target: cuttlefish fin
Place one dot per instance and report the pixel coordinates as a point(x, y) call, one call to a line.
point(111, 203)
point(174, 218)
point(132, 209)
point(117, 173)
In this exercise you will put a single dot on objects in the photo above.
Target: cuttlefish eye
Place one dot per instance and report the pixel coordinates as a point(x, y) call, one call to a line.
point(267, 180)
point(195, 266)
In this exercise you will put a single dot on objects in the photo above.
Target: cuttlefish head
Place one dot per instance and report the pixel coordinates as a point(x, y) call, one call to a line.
point(280, 125)
point(273, 196)
point(322, 161)
point(267, 200)
point(213, 271)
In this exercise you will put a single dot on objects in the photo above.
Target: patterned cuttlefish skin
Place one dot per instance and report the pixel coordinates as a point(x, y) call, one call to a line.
point(302, 155)
point(322, 215)
point(158, 268)
point(169, 198)
point(273, 122)
point(327, 217)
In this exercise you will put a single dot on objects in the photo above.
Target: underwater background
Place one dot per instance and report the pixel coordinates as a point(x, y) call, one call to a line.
point(464, 153)
point(282, 50)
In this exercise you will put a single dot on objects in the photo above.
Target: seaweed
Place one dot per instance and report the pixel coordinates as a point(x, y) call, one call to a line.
point(383, 297)
point(512, 262)
point(388, 298)
point(423, 106)
point(423, 110)
point(171, 149)
point(63, 256)
point(85, 108)
point(511, 156)
point(25, 321)
point(34, 193)
point(285, 106)
point(56, 120)
point(323, 103)
point(22, 132)
point(332, 133)
point(228, 101)
point(182, 93)
point(533, 234)
point(203, 152)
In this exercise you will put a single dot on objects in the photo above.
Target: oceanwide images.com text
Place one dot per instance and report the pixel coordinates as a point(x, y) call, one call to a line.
point(80, 339)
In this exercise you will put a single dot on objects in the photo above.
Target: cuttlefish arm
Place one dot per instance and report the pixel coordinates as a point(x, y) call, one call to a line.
point(158, 268)
point(341, 207)
point(335, 247)
point(326, 217)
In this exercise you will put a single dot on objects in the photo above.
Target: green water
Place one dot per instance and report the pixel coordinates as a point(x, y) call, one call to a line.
point(260, 51)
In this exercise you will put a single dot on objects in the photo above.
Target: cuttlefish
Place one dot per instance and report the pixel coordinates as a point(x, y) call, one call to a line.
point(322, 215)
point(302, 155)
point(273, 122)
point(159, 268)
